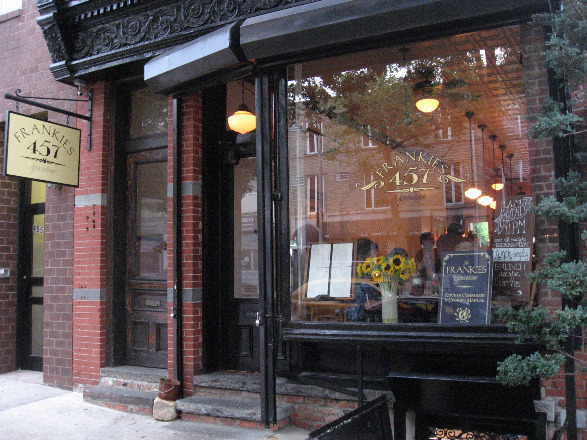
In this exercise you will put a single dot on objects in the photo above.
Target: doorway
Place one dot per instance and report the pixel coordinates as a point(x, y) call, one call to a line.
point(146, 283)
point(31, 272)
point(242, 301)
point(230, 289)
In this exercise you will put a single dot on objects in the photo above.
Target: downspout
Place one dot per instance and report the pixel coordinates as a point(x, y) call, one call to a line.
point(177, 279)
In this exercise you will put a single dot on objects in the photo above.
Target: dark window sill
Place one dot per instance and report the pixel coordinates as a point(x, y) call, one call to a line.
point(404, 334)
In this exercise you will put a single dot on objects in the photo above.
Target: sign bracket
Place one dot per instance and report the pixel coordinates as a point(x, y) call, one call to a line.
point(29, 100)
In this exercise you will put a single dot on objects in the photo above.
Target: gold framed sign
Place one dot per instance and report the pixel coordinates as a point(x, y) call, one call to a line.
point(41, 150)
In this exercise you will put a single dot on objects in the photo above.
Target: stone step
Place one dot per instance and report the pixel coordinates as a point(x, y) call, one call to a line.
point(230, 411)
point(123, 399)
point(140, 378)
point(249, 384)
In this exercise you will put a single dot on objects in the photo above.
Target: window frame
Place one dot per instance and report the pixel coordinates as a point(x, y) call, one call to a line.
point(472, 337)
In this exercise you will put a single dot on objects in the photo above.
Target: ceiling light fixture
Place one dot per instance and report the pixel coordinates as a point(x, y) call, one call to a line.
point(427, 103)
point(242, 121)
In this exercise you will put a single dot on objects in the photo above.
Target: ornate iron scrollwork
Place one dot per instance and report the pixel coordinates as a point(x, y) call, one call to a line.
point(96, 33)
point(157, 23)
point(458, 434)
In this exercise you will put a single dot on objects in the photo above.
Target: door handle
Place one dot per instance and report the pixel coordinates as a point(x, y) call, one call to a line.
point(258, 319)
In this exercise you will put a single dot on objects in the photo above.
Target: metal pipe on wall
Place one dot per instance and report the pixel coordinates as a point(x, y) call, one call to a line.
point(177, 278)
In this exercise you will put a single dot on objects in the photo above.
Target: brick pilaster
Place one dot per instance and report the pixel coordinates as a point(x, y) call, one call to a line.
point(90, 258)
point(191, 237)
point(58, 288)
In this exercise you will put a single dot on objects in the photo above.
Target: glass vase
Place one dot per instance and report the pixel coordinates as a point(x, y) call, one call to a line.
point(388, 301)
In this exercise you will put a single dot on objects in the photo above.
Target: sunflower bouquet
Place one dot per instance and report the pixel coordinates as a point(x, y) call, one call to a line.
point(389, 272)
point(396, 268)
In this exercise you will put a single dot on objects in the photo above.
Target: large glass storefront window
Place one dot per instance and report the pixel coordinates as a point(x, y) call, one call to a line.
point(403, 215)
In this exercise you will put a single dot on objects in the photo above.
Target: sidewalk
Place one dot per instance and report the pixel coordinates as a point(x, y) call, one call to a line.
point(32, 411)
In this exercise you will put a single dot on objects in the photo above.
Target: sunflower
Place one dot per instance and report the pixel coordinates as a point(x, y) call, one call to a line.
point(367, 266)
point(397, 261)
point(387, 268)
point(377, 276)
point(359, 270)
point(379, 260)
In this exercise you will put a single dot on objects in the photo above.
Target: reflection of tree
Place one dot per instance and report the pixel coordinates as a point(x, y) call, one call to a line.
point(378, 103)
point(245, 172)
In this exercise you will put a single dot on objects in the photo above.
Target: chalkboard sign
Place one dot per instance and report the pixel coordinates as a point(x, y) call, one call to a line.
point(513, 235)
point(465, 296)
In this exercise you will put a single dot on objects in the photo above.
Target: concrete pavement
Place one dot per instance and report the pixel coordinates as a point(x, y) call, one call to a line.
point(30, 410)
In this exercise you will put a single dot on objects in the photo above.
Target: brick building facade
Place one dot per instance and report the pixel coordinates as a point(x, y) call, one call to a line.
point(24, 62)
point(104, 305)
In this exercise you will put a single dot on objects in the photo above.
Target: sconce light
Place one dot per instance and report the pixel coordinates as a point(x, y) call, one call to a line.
point(242, 121)
point(493, 205)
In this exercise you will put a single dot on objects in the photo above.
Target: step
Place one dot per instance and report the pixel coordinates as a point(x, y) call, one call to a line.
point(246, 383)
point(230, 411)
point(127, 376)
point(123, 399)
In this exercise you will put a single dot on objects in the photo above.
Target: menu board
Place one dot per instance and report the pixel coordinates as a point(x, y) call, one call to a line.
point(465, 296)
point(513, 236)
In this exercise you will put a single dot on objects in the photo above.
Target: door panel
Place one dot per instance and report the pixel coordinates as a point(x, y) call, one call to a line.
point(243, 304)
point(31, 270)
point(146, 286)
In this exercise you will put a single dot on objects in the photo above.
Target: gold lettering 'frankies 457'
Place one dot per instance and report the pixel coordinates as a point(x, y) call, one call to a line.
point(412, 169)
point(41, 150)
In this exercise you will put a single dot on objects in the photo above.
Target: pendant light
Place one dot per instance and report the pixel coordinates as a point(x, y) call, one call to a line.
point(473, 192)
point(427, 105)
point(242, 121)
point(502, 148)
point(426, 90)
point(510, 156)
point(483, 200)
point(495, 185)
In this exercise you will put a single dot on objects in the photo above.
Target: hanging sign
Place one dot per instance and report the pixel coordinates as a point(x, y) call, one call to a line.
point(513, 239)
point(465, 296)
point(40, 150)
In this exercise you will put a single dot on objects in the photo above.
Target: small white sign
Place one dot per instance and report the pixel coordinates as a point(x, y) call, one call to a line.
point(511, 254)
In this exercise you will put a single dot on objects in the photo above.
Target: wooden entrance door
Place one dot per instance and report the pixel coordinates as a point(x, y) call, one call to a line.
point(146, 285)
point(242, 304)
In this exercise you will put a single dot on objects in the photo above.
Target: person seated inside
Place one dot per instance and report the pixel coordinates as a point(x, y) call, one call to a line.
point(425, 280)
point(367, 295)
point(449, 241)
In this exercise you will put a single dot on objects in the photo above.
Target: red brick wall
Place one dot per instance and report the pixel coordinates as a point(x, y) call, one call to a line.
point(191, 237)
point(58, 288)
point(24, 63)
point(8, 250)
point(90, 256)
